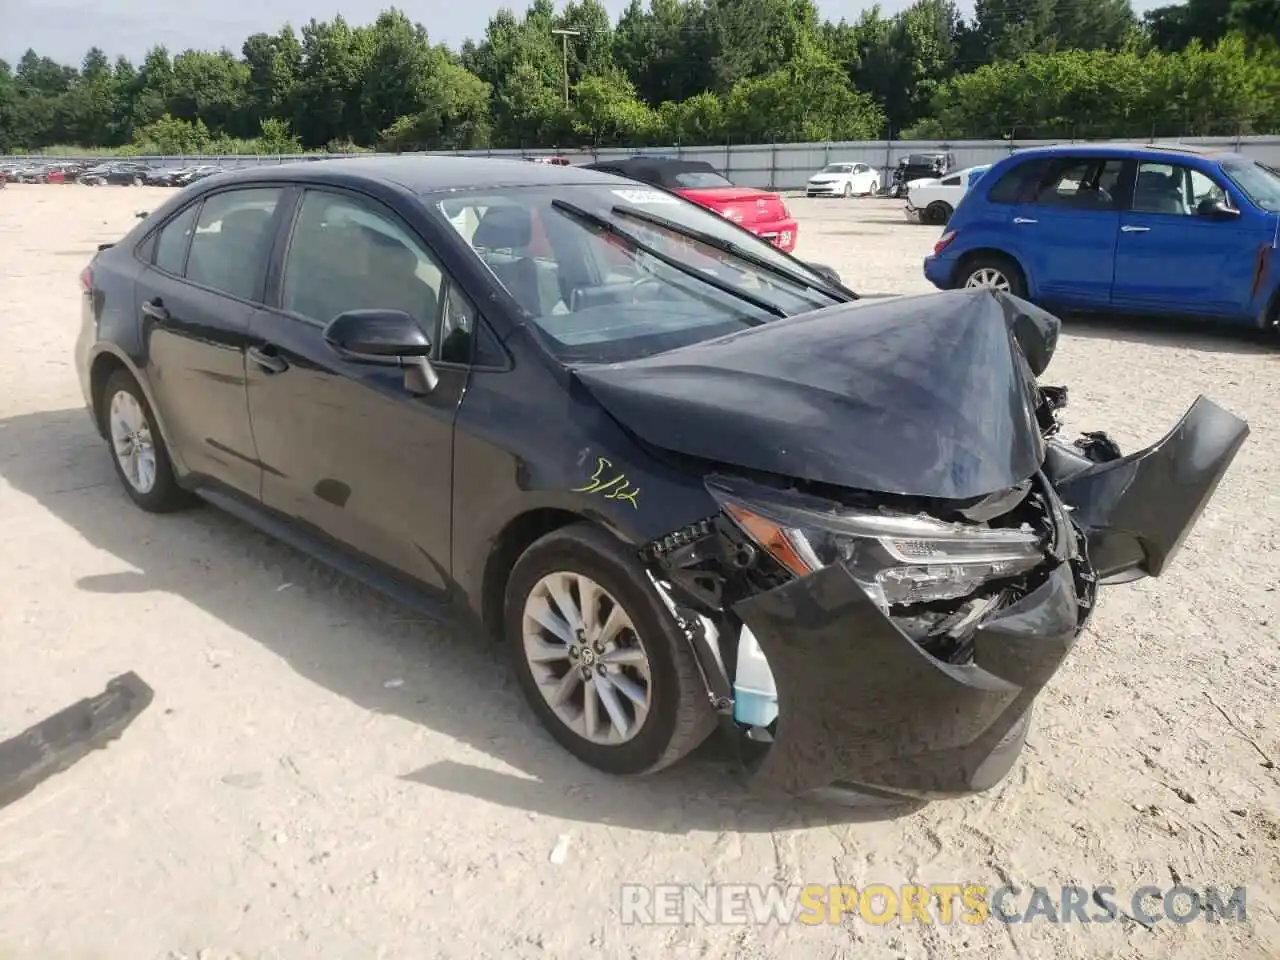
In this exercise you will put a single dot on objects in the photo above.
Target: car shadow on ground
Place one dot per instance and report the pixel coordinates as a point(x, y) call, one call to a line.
point(347, 639)
point(1204, 335)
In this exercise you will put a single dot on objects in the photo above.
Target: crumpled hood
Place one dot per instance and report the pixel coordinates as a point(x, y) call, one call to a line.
point(929, 396)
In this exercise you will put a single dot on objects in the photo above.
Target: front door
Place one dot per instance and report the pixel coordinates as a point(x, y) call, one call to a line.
point(196, 299)
point(1066, 230)
point(347, 449)
point(1173, 256)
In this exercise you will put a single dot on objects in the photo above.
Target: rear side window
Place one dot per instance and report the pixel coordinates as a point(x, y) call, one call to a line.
point(1019, 180)
point(171, 245)
point(232, 240)
point(1081, 183)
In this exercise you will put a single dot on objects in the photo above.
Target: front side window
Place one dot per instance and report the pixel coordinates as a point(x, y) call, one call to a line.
point(951, 182)
point(1173, 188)
point(345, 254)
point(598, 296)
point(232, 240)
point(171, 244)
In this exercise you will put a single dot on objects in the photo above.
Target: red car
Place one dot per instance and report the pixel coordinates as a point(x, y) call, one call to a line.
point(761, 212)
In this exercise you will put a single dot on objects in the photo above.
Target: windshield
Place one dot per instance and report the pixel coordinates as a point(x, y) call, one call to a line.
point(1257, 181)
point(597, 297)
point(838, 168)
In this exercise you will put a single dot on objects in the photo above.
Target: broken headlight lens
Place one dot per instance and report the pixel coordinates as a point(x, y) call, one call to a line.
point(899, 559)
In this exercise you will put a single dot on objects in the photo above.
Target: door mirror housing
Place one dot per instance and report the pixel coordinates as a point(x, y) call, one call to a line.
point(387, 338)
point(1216, 209)
point(377, 335)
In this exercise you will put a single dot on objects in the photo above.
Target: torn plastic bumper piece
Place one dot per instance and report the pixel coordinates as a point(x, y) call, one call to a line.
point(1137, 510)
point(861, 706)
point(58, 741)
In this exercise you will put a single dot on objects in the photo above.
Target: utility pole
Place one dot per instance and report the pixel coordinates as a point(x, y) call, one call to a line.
point(564, 36)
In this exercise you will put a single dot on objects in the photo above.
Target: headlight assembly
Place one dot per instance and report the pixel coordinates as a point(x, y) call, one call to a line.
point(897, 558)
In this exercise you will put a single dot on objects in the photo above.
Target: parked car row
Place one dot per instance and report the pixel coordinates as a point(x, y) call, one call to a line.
point(111, 172)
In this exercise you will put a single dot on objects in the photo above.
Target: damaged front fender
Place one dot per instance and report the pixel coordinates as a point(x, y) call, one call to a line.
point(1137, 510)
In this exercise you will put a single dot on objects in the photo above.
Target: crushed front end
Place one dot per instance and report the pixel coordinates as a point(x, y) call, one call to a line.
point(907, 638)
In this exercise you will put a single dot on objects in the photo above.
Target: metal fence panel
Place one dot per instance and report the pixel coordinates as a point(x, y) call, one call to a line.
point(782, 166)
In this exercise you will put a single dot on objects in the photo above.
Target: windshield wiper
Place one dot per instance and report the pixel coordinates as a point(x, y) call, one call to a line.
point(600, 223)
point(837, 291)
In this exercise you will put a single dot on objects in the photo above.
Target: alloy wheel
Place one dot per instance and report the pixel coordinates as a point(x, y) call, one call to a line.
point(586, 658)
point(132, 442)
point(988, 277)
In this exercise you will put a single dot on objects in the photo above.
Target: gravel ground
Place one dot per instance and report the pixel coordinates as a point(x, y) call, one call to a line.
point(323, 776)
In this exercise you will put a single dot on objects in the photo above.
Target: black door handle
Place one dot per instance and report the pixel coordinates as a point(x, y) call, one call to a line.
point(268, 359)
point(155, 309)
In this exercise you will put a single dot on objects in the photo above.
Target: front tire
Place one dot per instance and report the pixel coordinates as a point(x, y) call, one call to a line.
point(138, 451)
point(848, 190)
point(599, 657)
point(992, 270)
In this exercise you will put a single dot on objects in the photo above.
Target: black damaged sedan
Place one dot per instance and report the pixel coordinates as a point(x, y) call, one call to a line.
point(687, 479)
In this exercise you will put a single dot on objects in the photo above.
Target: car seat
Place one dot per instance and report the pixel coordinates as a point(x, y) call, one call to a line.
point(231, 260)
point(502, 237)
point(390, 279)
point(1158, 193)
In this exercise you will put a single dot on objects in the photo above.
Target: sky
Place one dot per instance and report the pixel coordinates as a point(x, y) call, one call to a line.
point(65, 29)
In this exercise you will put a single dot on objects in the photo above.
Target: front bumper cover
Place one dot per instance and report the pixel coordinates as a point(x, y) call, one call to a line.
point(863, 709)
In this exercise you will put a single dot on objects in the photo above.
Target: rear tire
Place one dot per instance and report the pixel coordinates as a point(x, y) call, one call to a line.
point(580, 563)
point(138, 451)
point(875, 189)
point(938, 213)
point(992, 270)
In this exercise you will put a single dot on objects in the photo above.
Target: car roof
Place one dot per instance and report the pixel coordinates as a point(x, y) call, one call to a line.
point(1133, 149)
point(421, 174)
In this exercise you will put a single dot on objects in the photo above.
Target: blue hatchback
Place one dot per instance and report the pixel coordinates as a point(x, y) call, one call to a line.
point(1132, 228)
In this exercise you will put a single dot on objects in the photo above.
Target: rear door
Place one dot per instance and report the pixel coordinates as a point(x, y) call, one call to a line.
point(1171, 256)
point(1065, 229)
point(195, 299)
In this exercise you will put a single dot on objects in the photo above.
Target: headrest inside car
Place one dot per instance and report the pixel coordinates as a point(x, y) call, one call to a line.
point(507, 227)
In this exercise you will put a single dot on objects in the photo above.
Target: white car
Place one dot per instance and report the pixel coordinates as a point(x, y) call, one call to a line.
point(933, 201)
point(844, 180)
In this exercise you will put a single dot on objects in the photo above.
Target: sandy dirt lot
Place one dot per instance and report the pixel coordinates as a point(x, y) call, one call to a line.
point(323, 775)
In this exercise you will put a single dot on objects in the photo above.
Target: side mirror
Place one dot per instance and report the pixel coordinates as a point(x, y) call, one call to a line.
point(386, 338)
point(1216, 209)
point(377, 335)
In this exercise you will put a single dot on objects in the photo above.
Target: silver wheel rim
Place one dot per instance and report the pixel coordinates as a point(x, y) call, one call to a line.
point(988, 277)
point(586, 658)
point(131, 440)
